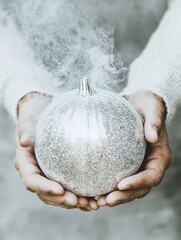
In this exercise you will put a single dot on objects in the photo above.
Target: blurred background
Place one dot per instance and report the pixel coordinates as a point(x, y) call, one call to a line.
point(157, 216)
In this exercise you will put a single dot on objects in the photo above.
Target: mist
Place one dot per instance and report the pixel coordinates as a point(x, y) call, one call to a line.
point(69, 40)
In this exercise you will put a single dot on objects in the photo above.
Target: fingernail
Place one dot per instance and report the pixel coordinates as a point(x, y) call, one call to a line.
point(124, 184)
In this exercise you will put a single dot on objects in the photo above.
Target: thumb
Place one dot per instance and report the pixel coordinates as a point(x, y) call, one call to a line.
point(152, 109)
point(26, 137)
point(29, 110)
point(154, 122)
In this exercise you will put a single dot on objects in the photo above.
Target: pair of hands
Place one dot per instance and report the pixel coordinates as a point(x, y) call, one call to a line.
point(158, 157)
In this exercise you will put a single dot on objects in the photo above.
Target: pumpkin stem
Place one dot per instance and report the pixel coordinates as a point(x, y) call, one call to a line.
point(85, 87)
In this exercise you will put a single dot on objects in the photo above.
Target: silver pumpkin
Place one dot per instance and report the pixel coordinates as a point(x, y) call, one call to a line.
point(89, 140)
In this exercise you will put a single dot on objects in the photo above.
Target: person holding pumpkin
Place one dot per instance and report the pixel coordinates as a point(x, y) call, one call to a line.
point(154, 89)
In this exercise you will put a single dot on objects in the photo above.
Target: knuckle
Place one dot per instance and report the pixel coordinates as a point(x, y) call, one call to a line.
point(158, 177)
point(158, 122)
point(40, 196)
point(155, 121)
point(159, 101)
point(132, 186)
point(160, 106)
point(28, 185)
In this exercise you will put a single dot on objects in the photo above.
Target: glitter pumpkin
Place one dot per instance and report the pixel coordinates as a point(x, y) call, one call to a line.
point(88, 140)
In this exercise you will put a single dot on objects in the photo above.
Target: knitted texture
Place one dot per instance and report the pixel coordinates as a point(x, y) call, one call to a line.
point(158, 68)
point(19, 72)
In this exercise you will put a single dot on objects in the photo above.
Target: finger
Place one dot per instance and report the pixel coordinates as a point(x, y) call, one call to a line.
point(29, 112)
point(68, 199)
point(156, 165)
point(39, 184)
point(87, 204)
point(32, 175)
point(151, 133)
point(83, 202)
point(154, 116)
point(153, 126)
point(55, 204)
point(153, 110)
point(101, 202)
point(26, 139)
point(120, 197)
point(86, 209)
point(26, 134)
point(93, 204)
point(148, 178)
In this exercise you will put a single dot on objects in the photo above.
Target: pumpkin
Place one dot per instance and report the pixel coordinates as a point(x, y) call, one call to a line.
point(88, 140)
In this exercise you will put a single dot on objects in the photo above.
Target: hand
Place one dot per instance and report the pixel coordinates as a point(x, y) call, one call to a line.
point(50, 192)
point(158, 155)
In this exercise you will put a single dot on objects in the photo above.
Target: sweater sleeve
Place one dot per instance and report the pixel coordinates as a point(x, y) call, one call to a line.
point(158, 68)
point(19, 72)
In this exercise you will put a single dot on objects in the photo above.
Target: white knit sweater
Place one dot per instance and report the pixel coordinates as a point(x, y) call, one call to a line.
point(19, 72)
point(158, 68)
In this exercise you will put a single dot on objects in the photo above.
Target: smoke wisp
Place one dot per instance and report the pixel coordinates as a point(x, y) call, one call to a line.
point(69, 41)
